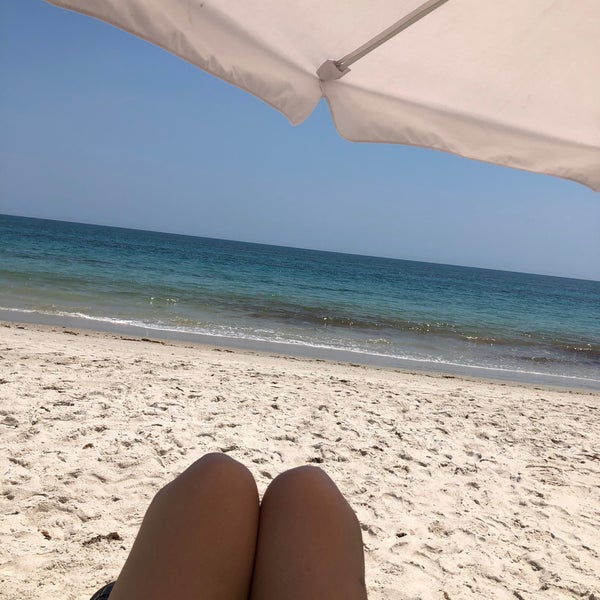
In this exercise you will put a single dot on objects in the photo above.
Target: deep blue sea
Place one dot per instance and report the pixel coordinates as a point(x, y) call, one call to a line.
point(358, 308)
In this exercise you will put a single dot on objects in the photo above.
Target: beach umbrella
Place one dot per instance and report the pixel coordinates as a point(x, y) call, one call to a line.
point(510, 82)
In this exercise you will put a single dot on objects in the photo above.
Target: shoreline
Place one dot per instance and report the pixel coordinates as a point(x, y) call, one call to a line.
point(462, 486)
point(563, 382)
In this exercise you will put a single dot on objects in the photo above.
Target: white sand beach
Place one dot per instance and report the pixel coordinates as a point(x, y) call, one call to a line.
point(464, 488)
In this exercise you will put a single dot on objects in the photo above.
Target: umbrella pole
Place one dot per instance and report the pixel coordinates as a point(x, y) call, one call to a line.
point(334, 69)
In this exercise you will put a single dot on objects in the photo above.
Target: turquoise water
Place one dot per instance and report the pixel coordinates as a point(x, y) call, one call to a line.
point(366, 309)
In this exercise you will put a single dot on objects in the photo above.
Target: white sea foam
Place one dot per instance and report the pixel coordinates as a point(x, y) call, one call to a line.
point(221, 334)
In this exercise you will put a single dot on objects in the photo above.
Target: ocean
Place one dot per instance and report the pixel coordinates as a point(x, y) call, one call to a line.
point(362, 309)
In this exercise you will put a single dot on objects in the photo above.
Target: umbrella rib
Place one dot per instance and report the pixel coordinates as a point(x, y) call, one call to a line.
point(334, 69)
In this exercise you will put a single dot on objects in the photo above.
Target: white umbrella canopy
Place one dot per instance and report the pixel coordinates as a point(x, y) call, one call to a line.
point(510, 82)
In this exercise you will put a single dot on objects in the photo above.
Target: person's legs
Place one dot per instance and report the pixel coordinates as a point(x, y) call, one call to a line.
point(309, 541)
point(198, 537)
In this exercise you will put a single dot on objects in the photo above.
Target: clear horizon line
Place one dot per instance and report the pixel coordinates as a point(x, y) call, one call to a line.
point(305, 248)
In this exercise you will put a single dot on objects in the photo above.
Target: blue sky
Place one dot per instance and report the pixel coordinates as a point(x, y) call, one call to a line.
point(98, 126)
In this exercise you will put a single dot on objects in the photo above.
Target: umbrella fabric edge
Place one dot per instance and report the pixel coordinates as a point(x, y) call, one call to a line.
point(400, 121)
point(296, 94)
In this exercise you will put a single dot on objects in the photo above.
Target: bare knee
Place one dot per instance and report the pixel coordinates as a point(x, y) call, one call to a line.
point(305, 506)
point(217, 474)
point(218, 467)
point(299, 480)
point(308, 487)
